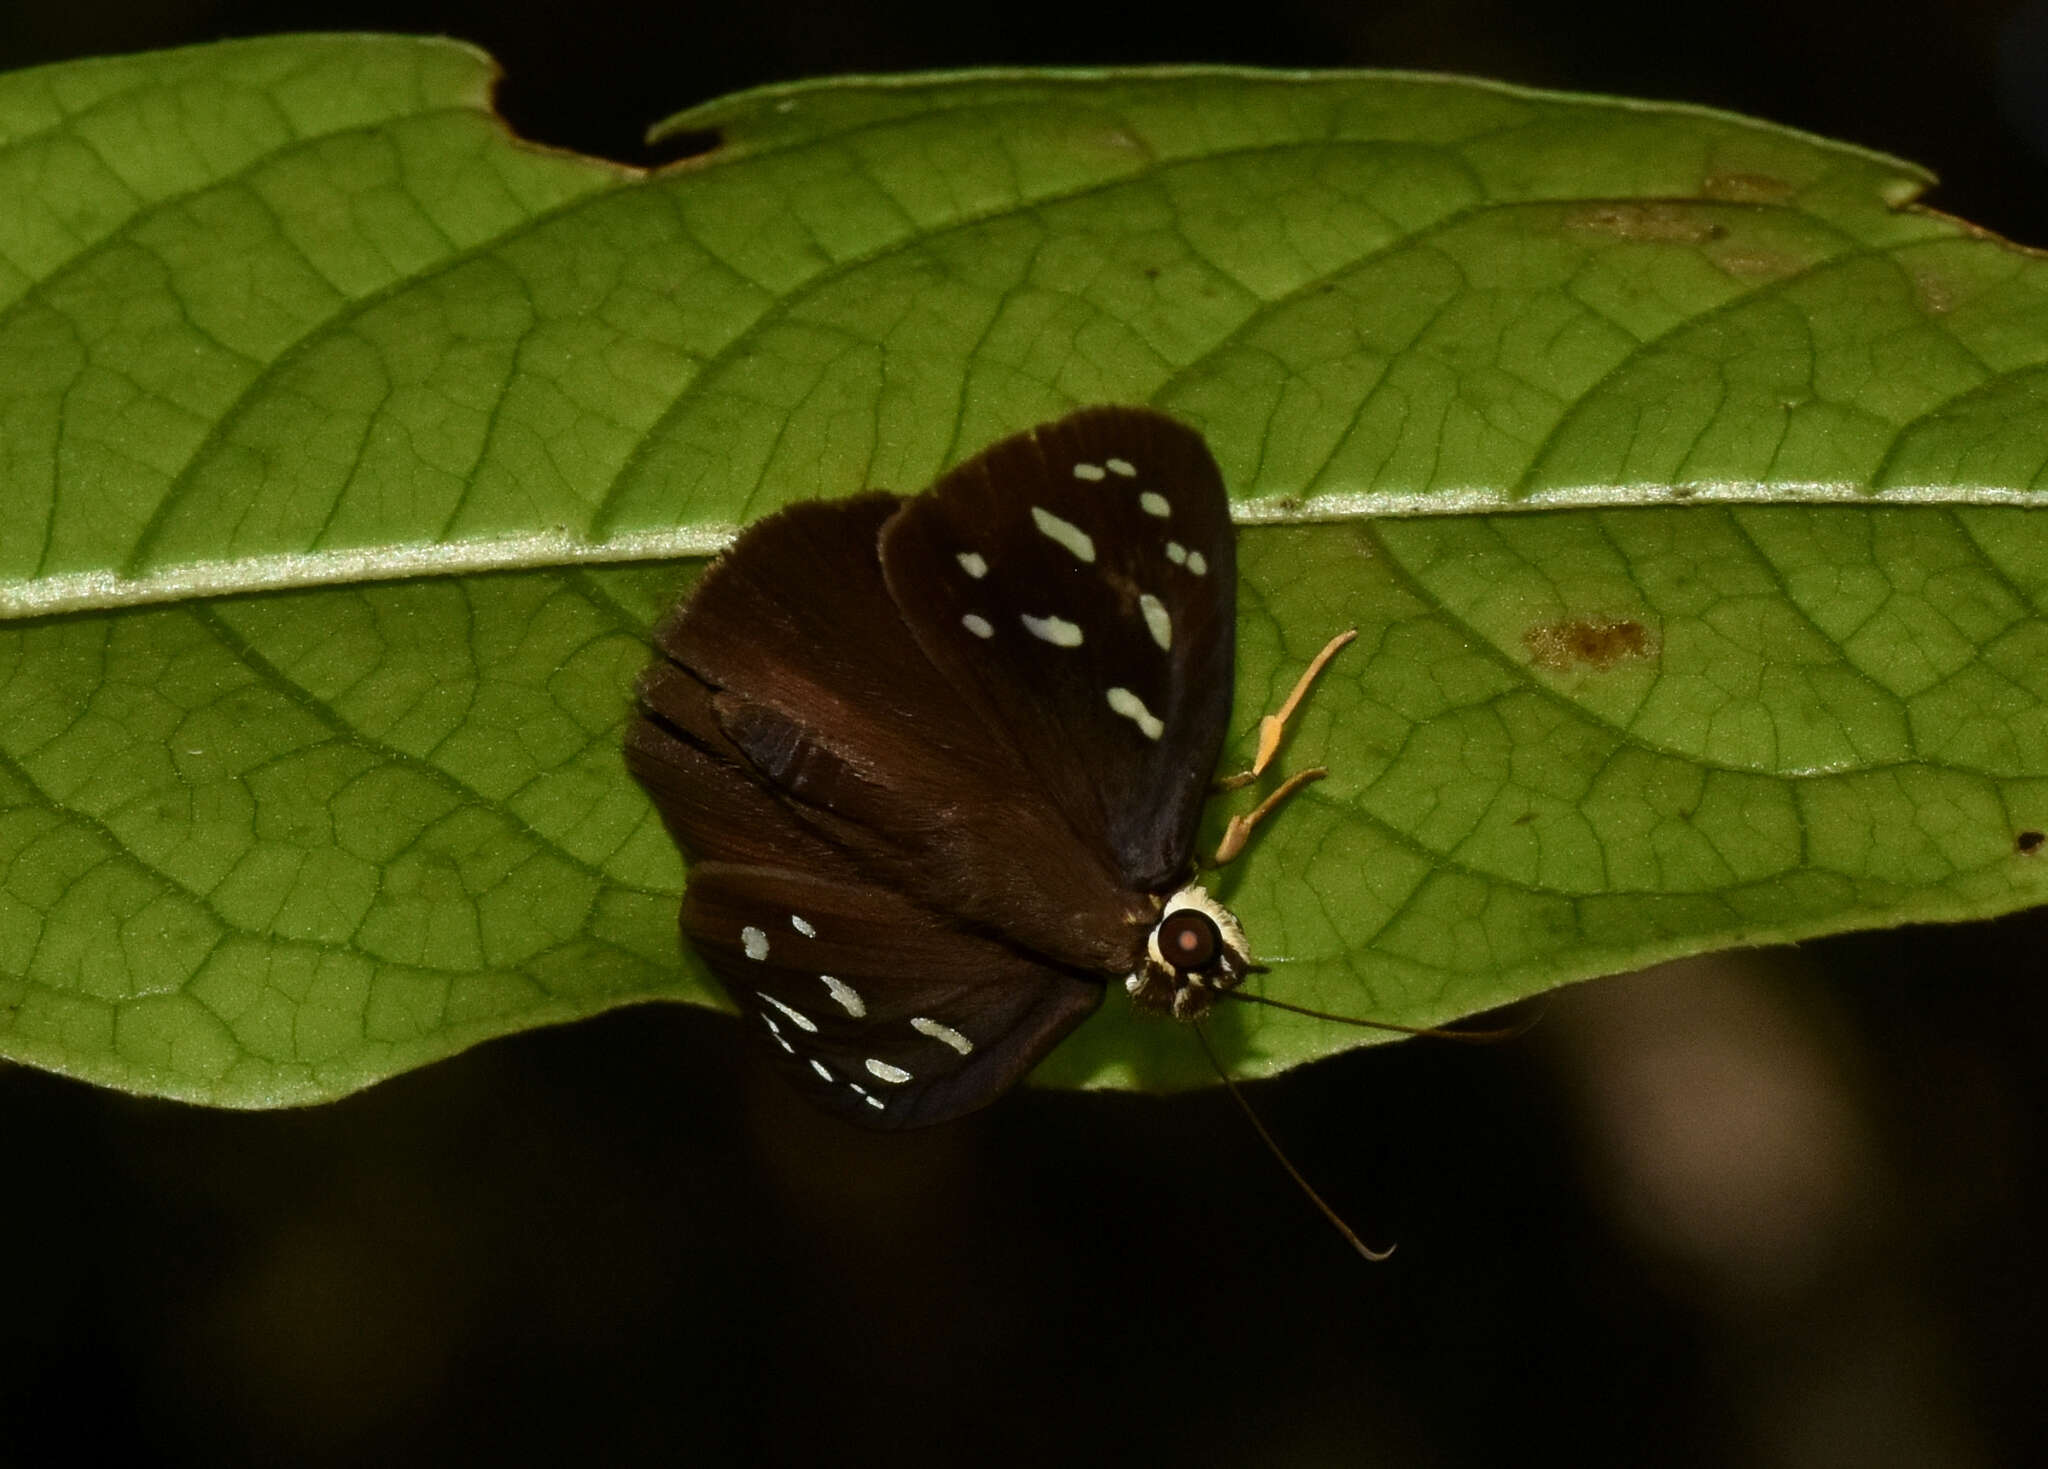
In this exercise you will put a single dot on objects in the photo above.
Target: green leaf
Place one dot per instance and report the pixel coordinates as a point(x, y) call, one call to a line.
point(1675, 469)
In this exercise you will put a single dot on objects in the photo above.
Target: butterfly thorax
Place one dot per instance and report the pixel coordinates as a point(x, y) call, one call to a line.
point(1195, 951)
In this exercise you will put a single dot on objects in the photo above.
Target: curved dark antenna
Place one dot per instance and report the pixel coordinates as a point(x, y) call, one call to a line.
point(1274, 1148)
point(1469, 1037)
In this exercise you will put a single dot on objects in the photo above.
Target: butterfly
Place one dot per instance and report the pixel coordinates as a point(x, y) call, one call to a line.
point(937, 762)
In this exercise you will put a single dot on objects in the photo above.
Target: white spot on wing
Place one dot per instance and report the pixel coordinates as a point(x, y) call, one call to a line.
point(1158, 621)
point(1176, 553)
point(972, 564)
point(1154, 503)
point(1123, 467)
point(1128, 704)
point(802, 927)
point(1197, 564)
point(755, 943)
point(1055, 630)
point(978, 625)
point(944, 1033)
point(883, 1071)
point(850, 1002)
point(1065, 532)
point(803, 1021)
point(1089, 472)
point(875, 1102)
point(823, 1072)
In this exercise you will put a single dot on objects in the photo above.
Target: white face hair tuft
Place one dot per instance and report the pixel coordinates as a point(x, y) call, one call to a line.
point(1195, 896)
point(1194, 952)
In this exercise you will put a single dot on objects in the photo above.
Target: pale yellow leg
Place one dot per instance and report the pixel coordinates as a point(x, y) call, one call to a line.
point(1239, 831)
point(1273, 725)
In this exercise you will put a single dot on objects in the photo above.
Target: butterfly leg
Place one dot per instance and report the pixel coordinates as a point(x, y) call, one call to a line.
point(1239, 831)
point(1273, 725)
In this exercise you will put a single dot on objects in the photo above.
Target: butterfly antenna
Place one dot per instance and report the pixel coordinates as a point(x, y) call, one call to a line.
point(1274, 1148)
point(1470, 1037)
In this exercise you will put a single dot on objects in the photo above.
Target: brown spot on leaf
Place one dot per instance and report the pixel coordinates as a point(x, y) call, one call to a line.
point(1745, 188)
point(1647, 221)
point(1587, 642)
point(2028, 842)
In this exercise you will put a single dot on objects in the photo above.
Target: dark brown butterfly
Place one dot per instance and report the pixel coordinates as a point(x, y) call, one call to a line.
point(937, 761)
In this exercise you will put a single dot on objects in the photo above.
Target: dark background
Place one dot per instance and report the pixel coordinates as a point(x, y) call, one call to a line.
point(1779, 1208)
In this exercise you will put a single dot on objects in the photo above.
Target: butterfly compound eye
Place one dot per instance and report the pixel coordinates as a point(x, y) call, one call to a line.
point(1189, 939)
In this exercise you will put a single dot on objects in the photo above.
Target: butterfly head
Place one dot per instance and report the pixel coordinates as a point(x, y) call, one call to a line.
point(1194, 951)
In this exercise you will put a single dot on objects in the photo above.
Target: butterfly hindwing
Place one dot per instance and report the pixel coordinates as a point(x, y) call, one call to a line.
point(756, 867)
point(878, 1009)
point(1076, 586)
point(714, 805)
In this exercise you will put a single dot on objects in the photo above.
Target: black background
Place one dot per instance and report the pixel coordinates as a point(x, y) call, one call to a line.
point(1777, 1209)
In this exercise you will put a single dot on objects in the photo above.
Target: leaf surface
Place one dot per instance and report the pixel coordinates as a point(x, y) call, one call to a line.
point(1674, 468)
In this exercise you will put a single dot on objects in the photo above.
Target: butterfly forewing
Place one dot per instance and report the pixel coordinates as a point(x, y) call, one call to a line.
point(880, 1010)
point(1076, 587)
point(794, 650)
